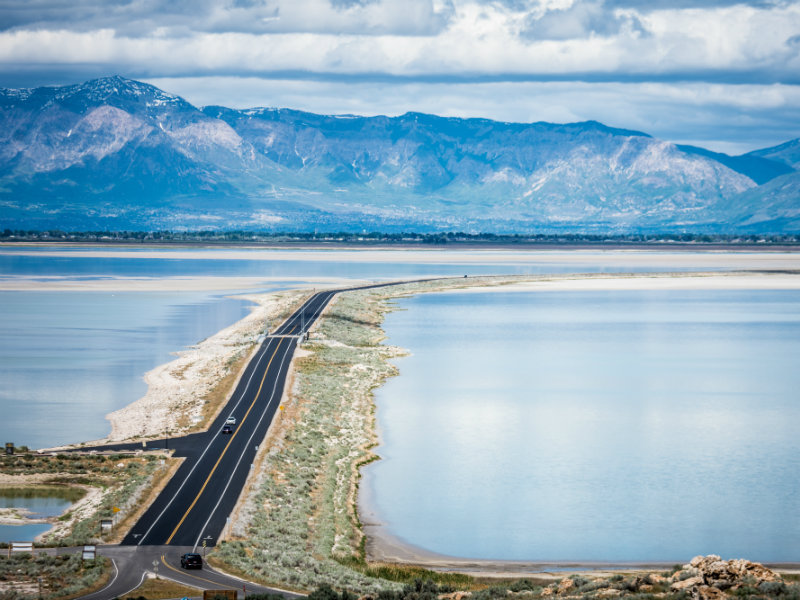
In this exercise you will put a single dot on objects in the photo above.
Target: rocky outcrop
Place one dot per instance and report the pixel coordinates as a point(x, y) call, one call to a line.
point(703, 578)
point(709, 577)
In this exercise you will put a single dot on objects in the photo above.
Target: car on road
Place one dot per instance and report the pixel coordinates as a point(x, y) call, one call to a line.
point(191, 561)
point(230, 420)
point(227, 429)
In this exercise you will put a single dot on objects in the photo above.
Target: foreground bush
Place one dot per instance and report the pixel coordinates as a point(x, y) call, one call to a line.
point(25, 576)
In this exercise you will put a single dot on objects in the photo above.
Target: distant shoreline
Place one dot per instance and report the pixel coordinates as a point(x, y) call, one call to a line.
point(771, 244)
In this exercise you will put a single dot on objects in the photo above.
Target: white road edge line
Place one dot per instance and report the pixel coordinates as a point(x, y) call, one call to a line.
point(110, 583)
point(141, 581)
point(211, 441)
point(200, 458)
point(263, 414)
point(249, 442)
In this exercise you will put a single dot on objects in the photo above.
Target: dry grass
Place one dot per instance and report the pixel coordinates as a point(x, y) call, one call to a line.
point(217, 398)
point(51, 577)
point(158, 589)
point(148, 495)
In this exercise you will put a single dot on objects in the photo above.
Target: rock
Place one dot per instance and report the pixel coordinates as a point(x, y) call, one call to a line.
point(455, 596)
point(686, 584)
point(698, 560)
point(745, 568)
point(565, 586)
point(706, 592)
point(709, 577)
point(608, 593)
point(725, 574)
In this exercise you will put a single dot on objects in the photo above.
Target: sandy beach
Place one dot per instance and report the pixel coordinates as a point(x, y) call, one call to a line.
point(174, 399)
point(383, 547)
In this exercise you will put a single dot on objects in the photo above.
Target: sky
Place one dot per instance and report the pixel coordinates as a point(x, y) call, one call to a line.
point(721, 74)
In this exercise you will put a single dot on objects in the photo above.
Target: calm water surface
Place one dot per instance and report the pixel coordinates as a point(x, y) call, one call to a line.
point(69, 358)
point(349, 264)
point(38, 507)
point(593, 425)
point(22, 533)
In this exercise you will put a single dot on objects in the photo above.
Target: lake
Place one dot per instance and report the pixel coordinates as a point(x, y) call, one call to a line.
point(67, 358)
point(592, 425)
point(50, 503)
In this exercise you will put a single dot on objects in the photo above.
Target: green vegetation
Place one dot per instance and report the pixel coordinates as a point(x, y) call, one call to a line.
point(70, 494)
point(375, 237)
point(66, 576)
point(266, 597)
point(629, 586)
point(120, 478)
point(301, 528)
point(408, 574)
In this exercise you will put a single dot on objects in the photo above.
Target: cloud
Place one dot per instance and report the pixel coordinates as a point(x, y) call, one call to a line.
point(142, 18)
point(399, 45)
point(649, 5)
point(577, 41)
point(580, 20)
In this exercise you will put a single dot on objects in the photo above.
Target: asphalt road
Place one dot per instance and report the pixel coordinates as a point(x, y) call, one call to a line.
point(195, 505)
point(132, 563)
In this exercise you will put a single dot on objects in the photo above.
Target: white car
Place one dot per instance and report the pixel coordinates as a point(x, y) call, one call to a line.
point(230, 420)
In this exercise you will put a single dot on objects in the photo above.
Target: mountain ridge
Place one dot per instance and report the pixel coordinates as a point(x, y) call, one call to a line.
point(118, 153)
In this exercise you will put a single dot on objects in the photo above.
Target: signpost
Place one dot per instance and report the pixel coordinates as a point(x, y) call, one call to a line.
point(18, 547)
point(205, 539)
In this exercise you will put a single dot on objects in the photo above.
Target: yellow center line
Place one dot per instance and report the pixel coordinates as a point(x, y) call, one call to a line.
point(169, 566)
point(202, 489)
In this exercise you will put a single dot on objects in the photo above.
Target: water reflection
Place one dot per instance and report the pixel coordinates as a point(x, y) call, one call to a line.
point(593, 425)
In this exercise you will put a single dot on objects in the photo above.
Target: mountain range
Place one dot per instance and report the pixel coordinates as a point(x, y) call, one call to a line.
point(119, 154)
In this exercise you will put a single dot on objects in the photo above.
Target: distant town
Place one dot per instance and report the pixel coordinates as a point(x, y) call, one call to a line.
point(459, 238)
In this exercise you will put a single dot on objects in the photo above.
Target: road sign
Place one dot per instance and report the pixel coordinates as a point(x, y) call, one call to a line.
point(20, 547)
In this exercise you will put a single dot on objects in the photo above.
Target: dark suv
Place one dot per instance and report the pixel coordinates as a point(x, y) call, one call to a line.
point(192, 561)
